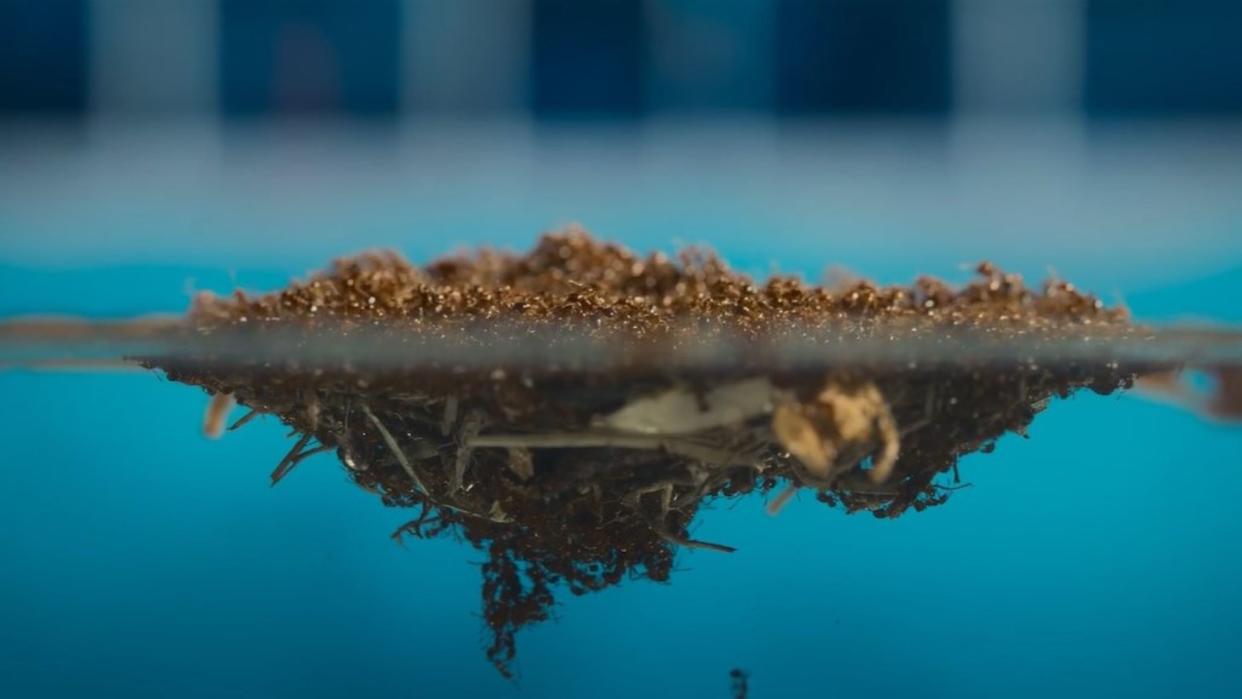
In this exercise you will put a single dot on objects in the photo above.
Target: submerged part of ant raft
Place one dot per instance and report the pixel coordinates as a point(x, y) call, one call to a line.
point(569, 410)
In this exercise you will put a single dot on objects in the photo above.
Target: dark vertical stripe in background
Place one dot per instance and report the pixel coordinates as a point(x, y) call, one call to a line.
point(871, 57)
point(43, 56)
point(309, 56)
point(1164, 57)
point(709, 55)
point(587, 58)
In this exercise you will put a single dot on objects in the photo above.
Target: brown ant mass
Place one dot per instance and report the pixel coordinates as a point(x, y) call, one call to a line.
point(567, 411)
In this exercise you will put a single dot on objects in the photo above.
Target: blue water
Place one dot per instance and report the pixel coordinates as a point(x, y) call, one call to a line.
point(1100, 557)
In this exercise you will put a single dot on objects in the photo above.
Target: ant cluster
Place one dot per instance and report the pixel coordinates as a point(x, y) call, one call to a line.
point(583, 463)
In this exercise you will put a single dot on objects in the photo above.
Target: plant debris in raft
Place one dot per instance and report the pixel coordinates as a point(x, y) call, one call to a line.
point(581, 478)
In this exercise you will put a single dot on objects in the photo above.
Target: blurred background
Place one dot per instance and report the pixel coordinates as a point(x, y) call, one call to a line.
point(1099, 138)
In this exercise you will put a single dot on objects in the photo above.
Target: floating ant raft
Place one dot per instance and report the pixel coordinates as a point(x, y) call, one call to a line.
point(568, 410)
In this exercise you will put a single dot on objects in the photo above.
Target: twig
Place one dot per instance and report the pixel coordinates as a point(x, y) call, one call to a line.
point(578, 440)
point(241, 422)
point(469, 429)
point(409, 469)
point(692, 543)
point(300, 457)
point(498, 519)
point(394, 448)
point(291, 459)
point(659, 528)
point(450, 415)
